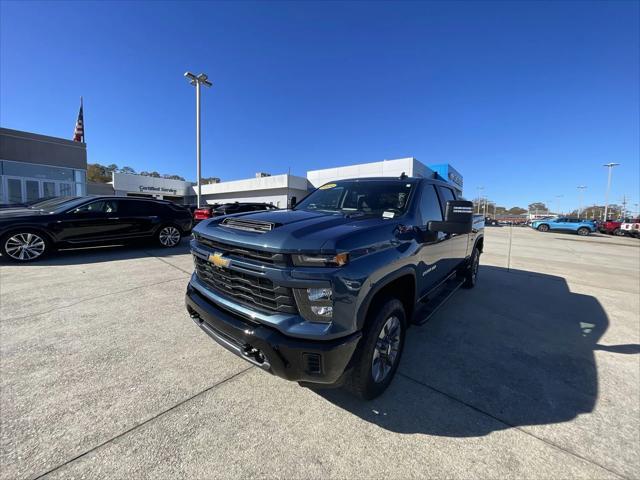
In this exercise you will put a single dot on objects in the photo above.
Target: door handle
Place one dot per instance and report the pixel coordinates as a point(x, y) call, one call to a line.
point(113, 218)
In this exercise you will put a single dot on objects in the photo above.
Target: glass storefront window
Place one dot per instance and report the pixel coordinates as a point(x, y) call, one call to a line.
point(14, 190)
point(20, 169)
point(79, 176)
point(66, 189)
point(32, 190)
point(48, 189)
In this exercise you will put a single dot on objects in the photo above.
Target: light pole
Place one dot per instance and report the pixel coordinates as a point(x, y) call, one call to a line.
point(606, 201)
point(581, 191)
point(196, 81)
point(478, 197)
point(558, 197)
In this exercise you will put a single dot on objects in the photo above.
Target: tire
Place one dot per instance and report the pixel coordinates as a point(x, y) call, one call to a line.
point(24, 245)
point(470, 274)
point(543, 228)
point(618, 232)
point(168, 236)
point(583, 231)
point(386, 320)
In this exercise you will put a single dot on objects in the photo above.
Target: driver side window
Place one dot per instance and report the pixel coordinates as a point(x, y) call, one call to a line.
point(430, 205)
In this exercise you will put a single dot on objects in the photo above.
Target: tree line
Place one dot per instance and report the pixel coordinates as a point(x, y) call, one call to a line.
point(102, 173)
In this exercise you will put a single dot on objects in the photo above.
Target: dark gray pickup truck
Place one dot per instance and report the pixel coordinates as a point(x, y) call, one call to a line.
point(323, 293)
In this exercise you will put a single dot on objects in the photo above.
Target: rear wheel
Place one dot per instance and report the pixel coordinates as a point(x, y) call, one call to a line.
point(543, 228)
point(378, 355)
point(24, 246)
point(169, 236)
point(584, 231)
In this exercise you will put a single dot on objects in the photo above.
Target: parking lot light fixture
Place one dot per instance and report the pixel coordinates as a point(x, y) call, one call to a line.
point(606, 200)
point(196, 81)
point(580, 191)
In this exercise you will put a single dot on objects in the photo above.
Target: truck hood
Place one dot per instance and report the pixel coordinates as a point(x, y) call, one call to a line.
point(297, 230)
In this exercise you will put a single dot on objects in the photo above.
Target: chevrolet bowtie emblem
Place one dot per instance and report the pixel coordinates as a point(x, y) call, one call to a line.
point(218, 260)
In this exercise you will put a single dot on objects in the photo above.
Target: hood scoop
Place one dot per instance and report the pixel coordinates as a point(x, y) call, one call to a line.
point(249, 225)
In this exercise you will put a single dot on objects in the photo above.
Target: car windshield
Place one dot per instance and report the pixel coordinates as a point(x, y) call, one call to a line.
point(56, 203)
point(375, 197)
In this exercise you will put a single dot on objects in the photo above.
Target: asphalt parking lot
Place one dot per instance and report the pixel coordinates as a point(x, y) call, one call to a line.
point(533, 374)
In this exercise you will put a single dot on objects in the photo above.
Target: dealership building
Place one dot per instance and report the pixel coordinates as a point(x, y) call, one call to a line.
point(34, 166)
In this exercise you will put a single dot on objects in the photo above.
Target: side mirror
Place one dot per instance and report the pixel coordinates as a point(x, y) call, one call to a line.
point(458, 218)
point(293, 202)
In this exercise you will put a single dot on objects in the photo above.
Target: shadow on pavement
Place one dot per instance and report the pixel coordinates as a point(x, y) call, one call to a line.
point(519, 348)
point(107, 253)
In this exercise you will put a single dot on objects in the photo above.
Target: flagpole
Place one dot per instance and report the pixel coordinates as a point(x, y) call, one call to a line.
point(84, 137)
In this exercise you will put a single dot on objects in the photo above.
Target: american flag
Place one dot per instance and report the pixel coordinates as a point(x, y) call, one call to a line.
point(78, 134)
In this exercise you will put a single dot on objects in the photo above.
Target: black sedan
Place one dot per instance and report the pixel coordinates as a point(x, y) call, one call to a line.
point(27, 234)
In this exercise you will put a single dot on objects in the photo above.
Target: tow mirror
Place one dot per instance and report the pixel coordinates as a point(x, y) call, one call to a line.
point(458, 218)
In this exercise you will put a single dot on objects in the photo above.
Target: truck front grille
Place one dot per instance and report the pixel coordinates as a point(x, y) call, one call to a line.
point(251, 290)
point(227, 249)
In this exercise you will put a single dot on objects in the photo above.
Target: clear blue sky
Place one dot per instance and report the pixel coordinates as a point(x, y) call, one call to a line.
point(525, 99)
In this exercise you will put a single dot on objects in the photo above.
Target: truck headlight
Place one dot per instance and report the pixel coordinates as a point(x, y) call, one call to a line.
point(314, 260)
point(315, 304)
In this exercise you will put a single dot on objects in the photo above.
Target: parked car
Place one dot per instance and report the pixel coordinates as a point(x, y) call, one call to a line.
point(631, 227)
point(323, 293)
point(567, 224)
point(27, 234)
point(611, 227)
point(217, 210)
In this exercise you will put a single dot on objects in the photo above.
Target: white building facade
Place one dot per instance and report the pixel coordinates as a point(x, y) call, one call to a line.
point(276, 190)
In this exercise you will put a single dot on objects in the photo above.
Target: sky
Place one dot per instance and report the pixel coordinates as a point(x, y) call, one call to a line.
point(526, 99)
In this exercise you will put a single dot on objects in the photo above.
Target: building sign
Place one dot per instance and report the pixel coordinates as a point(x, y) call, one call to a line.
point(455, 178)
point(144, 189)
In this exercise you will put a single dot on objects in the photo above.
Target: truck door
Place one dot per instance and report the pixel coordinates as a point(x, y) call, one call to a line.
point(458, 243)
point(433, 254)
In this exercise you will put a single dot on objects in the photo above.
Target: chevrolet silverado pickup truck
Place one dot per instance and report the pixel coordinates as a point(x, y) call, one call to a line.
point(323, 293)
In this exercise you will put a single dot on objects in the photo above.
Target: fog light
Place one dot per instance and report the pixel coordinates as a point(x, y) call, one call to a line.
point(322, 311)
point(316, 294)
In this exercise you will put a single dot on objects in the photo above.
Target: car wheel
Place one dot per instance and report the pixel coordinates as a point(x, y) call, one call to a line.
point(471, 272)
point(543, 228)
point(24, 246)
point(378, 355)
point(618, 232)
point(169, 236)
point(584, 231)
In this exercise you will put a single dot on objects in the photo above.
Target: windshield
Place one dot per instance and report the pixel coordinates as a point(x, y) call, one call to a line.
point(375, 197)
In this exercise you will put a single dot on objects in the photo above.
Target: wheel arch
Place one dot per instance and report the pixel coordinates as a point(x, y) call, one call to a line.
point(400, 284)
point(33, 228)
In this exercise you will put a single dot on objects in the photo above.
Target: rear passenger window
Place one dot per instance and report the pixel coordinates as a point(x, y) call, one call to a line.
point(430, 205)
point(138, 208)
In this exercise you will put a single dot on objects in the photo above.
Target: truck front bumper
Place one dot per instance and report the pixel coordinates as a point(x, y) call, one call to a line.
point(309, 361)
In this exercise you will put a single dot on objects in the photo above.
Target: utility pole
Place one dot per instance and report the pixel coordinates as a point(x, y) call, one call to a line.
point(606, 202)
point(478, 199)
point(580, 190)
point(196, 81)
point(624, 205)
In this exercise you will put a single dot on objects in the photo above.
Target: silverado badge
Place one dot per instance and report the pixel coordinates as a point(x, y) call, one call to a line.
point(218, 260)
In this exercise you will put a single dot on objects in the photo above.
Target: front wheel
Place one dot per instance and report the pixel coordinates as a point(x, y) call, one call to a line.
point(169, 236)
point(378, 355)
point(584, 231)
point(24, 246)
point(618, 232)
point(543, 228)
